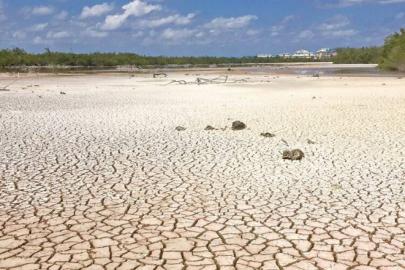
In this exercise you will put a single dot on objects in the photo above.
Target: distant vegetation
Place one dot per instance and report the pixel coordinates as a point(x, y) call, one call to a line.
point(393, 52)
point(390, 56)
point(19, 57)
point(367, 55)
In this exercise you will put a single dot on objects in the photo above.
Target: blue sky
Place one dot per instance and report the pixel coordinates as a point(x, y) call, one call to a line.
point(197, 27)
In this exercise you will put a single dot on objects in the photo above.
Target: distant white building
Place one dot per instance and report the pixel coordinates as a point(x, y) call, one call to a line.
point(263, 55)
point(303, 54)
point(325, 53)
point(284, 55)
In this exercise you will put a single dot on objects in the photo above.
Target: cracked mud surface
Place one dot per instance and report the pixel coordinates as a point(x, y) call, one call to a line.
point(100, 179)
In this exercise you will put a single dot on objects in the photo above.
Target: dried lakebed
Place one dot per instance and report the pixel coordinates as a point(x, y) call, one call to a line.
point(98, 178)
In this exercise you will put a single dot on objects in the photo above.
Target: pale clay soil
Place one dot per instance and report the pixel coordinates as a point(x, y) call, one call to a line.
point(100, 179)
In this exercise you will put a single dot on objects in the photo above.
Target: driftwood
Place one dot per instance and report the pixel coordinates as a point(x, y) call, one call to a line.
point(199, 80)
point(220, 79)
point(159, 75)
point(183, 82)
point(5, 87)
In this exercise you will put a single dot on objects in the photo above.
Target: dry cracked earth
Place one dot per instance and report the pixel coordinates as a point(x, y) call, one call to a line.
point(100, 179)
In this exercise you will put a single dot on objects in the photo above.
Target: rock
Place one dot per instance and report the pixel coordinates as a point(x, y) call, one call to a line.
point(287, 154)
point(267, 135)
point(295, 154)
point(310, 142)
point(180, 128)
point(238, 125)
point(316, 75)
point(62, 93)
point(210, 128)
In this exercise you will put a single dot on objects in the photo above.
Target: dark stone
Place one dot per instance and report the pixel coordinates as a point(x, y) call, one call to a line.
point(287, 154)
point(238, 125)
point(210, 128)
point(310, 142)
point(295, 154)
point(62, 93)
point(180, 128)
point(267, 135)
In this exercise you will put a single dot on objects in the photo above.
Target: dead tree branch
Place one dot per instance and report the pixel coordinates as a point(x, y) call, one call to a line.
point(159, 75)
point(199, 81)
point(5, 87)
point(182, 82)
point(240, 81)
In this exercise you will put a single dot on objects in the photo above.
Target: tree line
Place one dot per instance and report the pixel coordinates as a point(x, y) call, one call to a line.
point(19, 57)
point(365, 55)
point(390, 56)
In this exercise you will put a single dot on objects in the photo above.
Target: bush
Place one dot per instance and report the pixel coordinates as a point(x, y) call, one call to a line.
point(393, 52)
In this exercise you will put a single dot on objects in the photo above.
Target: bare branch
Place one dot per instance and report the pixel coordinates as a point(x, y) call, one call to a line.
point(5, 87)
point(159, 75)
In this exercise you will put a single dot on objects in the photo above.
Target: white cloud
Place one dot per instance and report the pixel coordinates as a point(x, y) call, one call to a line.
point(170, 33)
point(61, 16)
point(276, 29)
point(173, 19)
point(3, 16)
point(38, 27)
point(306, 34)
point(336, 22)
point(20, 35)
point(57, 35)
point(42, 10)
point(340, 33)
point(135, 8)
point(200, 35)
point(37, 11)
point(334, 27)
point(400, 15)
point(252, 32)
point(89, 32)
point(347, 3)
point(391, 1)
point(96, 10)
point(138, 34)
point(230, 23)
point(39, 40)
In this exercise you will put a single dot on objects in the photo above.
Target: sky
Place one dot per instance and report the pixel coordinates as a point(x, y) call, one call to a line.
point(197, 27)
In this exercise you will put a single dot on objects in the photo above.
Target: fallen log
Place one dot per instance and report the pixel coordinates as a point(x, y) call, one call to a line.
point(159, 75)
